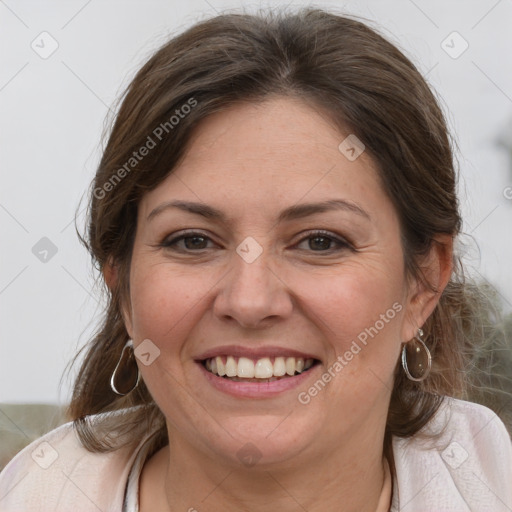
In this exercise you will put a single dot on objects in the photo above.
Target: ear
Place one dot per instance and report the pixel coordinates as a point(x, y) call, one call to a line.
point(425, 291)
point(111, 275)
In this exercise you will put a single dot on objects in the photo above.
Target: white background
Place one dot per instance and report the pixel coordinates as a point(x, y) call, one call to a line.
point(52, 115)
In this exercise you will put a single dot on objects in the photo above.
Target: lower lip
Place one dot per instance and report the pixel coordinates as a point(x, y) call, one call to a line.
point(256, 389)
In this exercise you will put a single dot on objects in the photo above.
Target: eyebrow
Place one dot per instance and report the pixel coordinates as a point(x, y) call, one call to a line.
point(298, 211)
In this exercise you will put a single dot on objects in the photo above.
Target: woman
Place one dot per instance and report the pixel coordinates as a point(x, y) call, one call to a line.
point(287, 328)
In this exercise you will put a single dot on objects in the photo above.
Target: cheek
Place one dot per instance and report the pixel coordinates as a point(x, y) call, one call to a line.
point(359, 312)
point(166, 302)
point(351, 300)
point(166, 306)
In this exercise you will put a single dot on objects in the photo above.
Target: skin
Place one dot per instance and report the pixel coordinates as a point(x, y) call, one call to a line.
point(252, 161)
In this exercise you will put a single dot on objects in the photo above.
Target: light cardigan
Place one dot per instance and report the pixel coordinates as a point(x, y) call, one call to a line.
point(460, 462)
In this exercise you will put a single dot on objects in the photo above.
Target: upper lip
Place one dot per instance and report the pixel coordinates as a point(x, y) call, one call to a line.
point(253, 352)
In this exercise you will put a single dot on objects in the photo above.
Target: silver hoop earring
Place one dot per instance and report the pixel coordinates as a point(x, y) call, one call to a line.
point(420, 357)
point(125, 377)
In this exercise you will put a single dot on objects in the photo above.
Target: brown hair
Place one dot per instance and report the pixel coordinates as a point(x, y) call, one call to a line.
point(358, 79)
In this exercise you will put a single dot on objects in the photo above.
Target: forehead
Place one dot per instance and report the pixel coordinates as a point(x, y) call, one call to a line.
point(270, 154)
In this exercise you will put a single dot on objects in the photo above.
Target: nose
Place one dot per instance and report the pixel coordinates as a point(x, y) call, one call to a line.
point(253, 294)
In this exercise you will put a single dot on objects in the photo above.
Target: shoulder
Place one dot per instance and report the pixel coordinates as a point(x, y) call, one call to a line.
point(56, 472)
point(461, 461)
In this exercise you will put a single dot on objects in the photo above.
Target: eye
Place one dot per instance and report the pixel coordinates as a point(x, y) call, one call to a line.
point(196, 241)
point(323, 241)
point(188, 241)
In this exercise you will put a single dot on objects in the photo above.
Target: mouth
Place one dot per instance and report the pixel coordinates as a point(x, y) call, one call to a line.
point(261, 370)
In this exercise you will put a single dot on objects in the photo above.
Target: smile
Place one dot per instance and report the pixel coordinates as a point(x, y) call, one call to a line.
point(265, 369)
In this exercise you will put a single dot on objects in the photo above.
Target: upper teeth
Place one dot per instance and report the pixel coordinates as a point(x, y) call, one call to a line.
point(262, 368)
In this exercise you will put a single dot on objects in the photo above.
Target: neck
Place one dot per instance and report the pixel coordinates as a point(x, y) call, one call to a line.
point(344, 477)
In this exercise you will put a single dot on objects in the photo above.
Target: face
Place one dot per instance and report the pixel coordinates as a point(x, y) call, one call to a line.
point(230, 265)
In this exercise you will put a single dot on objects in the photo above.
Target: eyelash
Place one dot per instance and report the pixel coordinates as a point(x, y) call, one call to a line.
point(342, 243)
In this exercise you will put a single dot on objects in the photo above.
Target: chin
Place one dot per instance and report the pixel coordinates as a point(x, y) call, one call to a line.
point(266, 440)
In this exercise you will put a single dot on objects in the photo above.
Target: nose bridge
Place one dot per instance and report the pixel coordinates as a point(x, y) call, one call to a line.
point(251, 291)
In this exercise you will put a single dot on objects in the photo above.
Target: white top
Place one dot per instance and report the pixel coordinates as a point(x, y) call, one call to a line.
point(463, 463)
